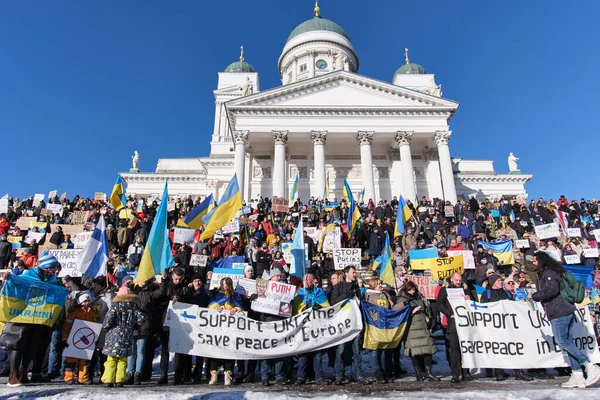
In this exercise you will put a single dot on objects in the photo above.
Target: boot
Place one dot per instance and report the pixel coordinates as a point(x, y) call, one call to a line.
point(380, 377)
point(576, 381)
point(13, 380)
point(466, 375)
point(129, 379)
point(428, 375)
point(501, 375)
point(163, 380)
point(520, 376)
point(419, 374)
point(228, 378)
point(213, 378)
point(593, 374)
point(137, 379)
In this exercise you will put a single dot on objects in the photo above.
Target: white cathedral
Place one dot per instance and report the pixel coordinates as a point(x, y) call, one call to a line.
point(327, 122)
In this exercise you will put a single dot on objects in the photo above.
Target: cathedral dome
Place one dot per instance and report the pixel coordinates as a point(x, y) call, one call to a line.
point(317, 24)
point(240, 66)
point(409, 67)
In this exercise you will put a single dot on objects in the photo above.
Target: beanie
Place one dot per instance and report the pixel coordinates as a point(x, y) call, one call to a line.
point(493, 279)
point(83, 297)
point(47, 260)
point(123, 291)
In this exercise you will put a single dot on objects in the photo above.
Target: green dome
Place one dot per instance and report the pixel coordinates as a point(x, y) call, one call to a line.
point(240, 66)
point(317, 24)
point(410, 68)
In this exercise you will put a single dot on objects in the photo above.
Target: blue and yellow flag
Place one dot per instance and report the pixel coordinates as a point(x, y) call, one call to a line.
point(384, 263)
point(502, 250)
point(294, 191)
point(305, 299)
point(28, 300)
point(347, 192)
point(384, 328)
point(157, 255)
point(222, 214)
point(420, 259)
point(479, 290)
point(194, 218)
point(353, 216)
point(402, 215)
point(117, 197)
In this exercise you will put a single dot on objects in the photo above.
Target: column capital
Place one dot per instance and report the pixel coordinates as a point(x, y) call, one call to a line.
point(442, 137)
point(403, 137)
point(318, 137)
point(365, 137)
point(240, 137)
point(280, 137)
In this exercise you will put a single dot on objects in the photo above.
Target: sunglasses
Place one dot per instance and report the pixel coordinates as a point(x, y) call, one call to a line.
point(510, 283)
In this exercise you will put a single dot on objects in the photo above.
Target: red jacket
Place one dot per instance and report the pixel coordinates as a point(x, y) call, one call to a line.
point(4, 226)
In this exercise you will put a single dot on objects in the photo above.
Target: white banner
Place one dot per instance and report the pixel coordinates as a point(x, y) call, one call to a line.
point(184, 235)
point(514, 335)
point(82, 339)
point(206, 333)
point(522, 244)
point(572, 259)
point(344, 257)
point(198, 260)
point(468, 259)
point(574, 232)
point(67, 259)
point(276, 300)
point(547, 231)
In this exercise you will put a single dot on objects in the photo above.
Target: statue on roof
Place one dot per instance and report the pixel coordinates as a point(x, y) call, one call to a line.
point(135, 160)
point(434, 90)
point(512, 163)
point(338, 61)
point(247, 88)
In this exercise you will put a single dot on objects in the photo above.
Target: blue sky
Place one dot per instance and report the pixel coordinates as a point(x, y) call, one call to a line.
point(84, 84)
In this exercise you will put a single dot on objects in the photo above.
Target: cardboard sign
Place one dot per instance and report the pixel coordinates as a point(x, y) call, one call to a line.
point(67, 258)
point(198, 260)
point(426, 285)
point(232, 227)
point(547, 231)
point(572, 259)
point(79, 217)
point(246, 287)
point(574, 232)
point(99, 196)
point(467, 257)
point(522, 244)
point(280, 205)
point(81, 239)
point(184, 235)
point(171, 207)
point(24, 222)
point(63, 196)
point(590, 253)
point(276, 299)
point(449, 211)
point(344, 257)
point(220, 273)
point(38, 198)
point(39, 225)
point(443, 267)
point(82, 339)
point(52, 194)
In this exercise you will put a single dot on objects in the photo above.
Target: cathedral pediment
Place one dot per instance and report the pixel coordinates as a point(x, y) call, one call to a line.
point(341, 90)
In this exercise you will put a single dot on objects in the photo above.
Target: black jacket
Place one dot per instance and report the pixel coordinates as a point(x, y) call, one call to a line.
point(343, 291)
point(492, 295)
point(443, 306)
point(548, 293)
point(149, 295)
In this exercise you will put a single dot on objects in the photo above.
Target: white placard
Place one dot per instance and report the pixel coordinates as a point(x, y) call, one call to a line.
point(33, 235)
point(457, 293)
point(52, 194)
point(574, 232)
point(332, 241)
point(232, 227)
point(81, 239)
point(220, 273)
point(345, 256)
point(66, 259)
point(522, 244)
point(590, 253)
point(468, 259)
point(82, 339)
point(547, 231)
point(246, 287)
point(3, 206)
point(596, 233)
point(277, 300)
point(55, 208)
point(572, 259)
point(37, 198)
point(184, 235)
point(515, 335)
point(240, 265)
point(198, 260)
point(206, 332)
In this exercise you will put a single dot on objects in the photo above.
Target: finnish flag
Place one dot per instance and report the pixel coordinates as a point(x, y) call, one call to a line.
point(92, 259)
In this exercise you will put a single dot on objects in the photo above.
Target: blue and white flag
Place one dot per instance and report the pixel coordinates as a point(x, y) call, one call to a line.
point(297, 268)
point(92, 260)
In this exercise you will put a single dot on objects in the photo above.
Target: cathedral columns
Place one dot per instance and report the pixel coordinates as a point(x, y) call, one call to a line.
point(318, 138)
point(365, 138)
point(280, 142)
point(441, 139)
point(240, 140)
point(403, 139)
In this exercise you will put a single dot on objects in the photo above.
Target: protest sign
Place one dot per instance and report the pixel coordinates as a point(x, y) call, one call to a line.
point(280, 205)
point(37, 236)
point(522, 244)
point(344, 257)
point(574, 232)
point(206, 333)
point(449, 211)
point(63, 196)
point(468, 258)
point(247, 210)
point(277, 300)
point(515, 335)
point(66, 259)
point(286, 250)
point(89, 226)
point(572, 259)
point(590, 253)
point(14, 239)
point(37, 199)
point(184, 235)
point(24, 222)
point(246, 287)
point(79, 217)
point(82, 339)
point(239, 265)
point(52, 194)
point(596, 233)
point(426, 285)
point(220, 273)
point(3, 206)
point(332, 241)
point(314, 233)
point(81, 239)
point(458, 293)
point(99, 196)
point(171, 207)
point(442, 267)
point(547, 231)
point(46, 213)
point(39, 225)
point(232, 227)
point(198, 260)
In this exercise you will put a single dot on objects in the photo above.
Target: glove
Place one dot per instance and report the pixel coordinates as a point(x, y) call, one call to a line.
point(254, 297)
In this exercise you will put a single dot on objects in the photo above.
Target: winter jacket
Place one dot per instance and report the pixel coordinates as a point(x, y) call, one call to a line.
point(493, 295)
point(77, 312)
point(548, 293)
point(343, 291)
point(123, 317)
point(417, 340)
point(443, 306)
point(5, 249)
point(149, 295)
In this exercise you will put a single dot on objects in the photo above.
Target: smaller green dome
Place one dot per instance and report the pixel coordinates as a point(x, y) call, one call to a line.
point(410, 68)
point(240, 66)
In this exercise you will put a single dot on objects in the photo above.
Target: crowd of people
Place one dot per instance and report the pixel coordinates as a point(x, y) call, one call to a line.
point(132, 313)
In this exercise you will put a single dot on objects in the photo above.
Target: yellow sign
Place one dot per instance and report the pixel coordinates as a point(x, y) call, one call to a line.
point(442, 267)
point(41, 225)
point(14, 239)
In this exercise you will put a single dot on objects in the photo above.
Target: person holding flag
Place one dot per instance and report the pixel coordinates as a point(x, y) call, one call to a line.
point(294, 192)
point(222, 214)
point(194, 218)
point(117, 197)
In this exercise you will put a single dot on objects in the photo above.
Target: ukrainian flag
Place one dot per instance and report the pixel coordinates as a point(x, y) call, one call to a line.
point(420, 259)
point(353, 216)
point(157, 255)
point(294, 191)
point(479, 290)
point(384, 263)
point(384, 328)
point(194, 218)
point(347, 191)
point(502, 250)
point(221, 215)
point(117, 197)
point(27, 300)
point(403, 214)
point(305, 299)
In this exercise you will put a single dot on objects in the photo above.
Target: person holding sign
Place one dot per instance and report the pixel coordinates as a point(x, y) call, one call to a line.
point(562, 318)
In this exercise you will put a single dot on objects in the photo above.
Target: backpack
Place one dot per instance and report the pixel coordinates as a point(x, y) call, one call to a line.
point(573, 290)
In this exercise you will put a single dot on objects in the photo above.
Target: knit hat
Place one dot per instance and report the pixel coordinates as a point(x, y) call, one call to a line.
point(249, 267)
point(493, 279)
point(47, 260)
point(123, 291)
point(126, 278)
point(83, 297)
point(197, 276)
